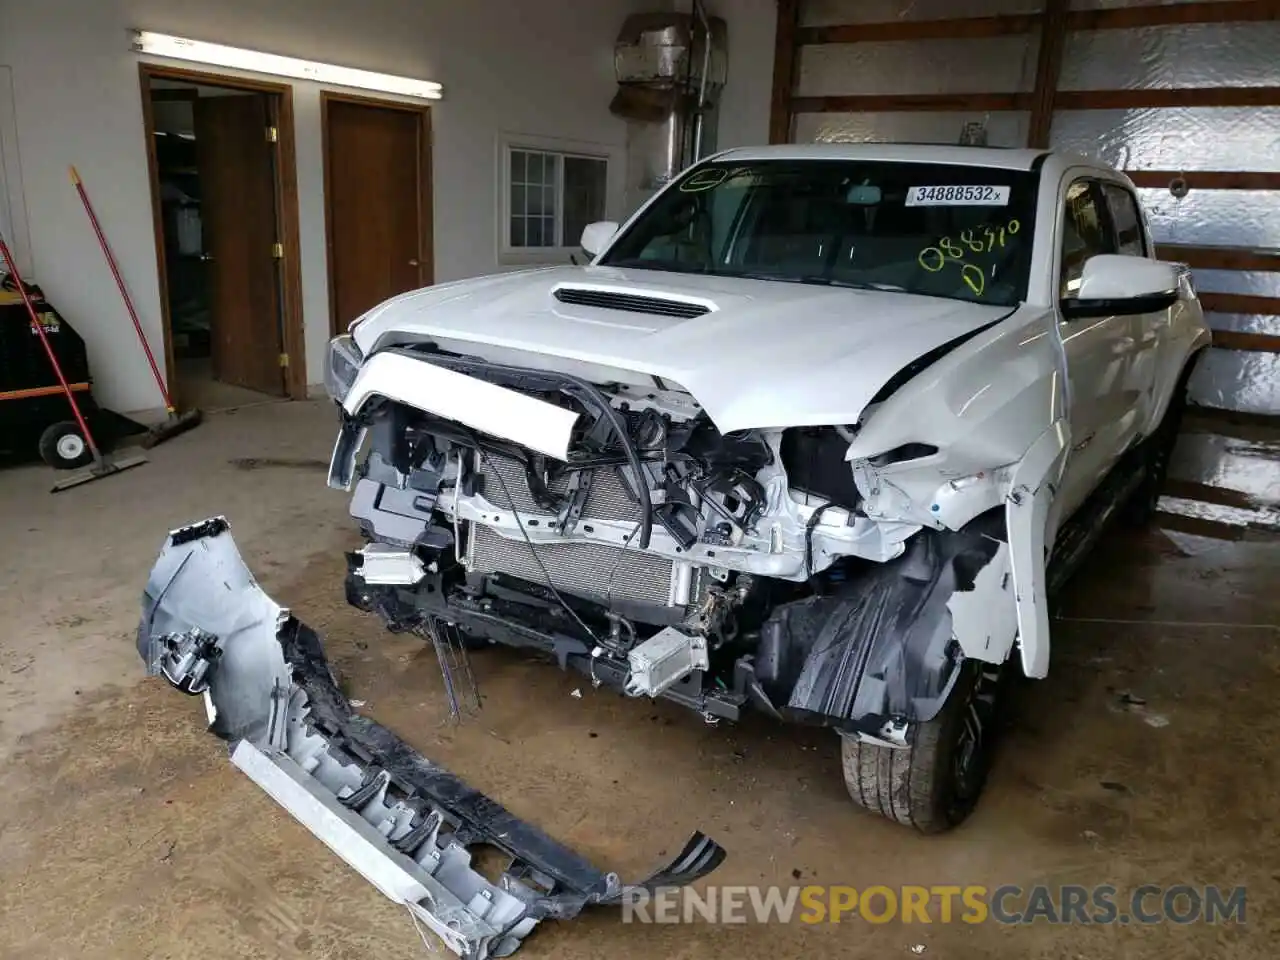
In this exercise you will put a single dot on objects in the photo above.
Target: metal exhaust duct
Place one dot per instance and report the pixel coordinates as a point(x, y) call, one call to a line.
point(670, 69)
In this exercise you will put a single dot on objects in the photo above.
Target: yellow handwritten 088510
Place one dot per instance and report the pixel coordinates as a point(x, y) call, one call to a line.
point(972, 242)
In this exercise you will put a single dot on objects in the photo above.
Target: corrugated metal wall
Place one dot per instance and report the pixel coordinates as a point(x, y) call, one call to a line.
point(848, 56)
point(927, 66)
point(1185, 139)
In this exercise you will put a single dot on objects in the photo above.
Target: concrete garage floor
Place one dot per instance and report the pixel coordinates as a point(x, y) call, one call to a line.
point(125, 833)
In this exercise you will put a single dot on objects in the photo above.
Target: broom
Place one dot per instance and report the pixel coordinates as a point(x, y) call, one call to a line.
point(175, 423)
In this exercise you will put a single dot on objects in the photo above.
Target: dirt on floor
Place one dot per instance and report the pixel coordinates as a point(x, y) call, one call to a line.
point(1149, 756)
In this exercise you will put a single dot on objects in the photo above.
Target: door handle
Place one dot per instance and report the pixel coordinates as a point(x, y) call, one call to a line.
point(413, 263)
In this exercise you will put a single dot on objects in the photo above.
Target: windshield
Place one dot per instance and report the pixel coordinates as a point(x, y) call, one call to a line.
point(941, 230)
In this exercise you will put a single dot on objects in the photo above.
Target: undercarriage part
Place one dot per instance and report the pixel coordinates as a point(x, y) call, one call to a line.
point(455, 669)
point(403, 822)
point(519, 615)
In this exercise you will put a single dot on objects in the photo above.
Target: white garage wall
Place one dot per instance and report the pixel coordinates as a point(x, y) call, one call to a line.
point(744, 103)
point(508, 66)
point(13, 213)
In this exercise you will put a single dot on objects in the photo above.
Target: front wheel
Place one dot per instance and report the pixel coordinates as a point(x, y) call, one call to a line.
point(933, 783)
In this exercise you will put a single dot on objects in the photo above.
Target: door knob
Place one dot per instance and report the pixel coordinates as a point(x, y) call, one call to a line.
point(413, 263)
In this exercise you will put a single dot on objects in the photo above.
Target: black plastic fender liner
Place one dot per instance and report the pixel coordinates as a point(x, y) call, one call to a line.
point(399, 819)
point(879, 646)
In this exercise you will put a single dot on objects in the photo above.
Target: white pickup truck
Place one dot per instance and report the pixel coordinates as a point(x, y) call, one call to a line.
point(817, 432)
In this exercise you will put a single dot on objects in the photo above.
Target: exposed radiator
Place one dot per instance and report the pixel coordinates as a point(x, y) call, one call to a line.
point(609, 498)
point(591, 570)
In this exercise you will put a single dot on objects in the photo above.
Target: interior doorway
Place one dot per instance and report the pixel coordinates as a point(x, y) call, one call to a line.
point(224, 196)
point(377, 172)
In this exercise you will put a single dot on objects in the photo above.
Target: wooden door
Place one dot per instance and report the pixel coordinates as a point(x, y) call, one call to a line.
point(376, 198)
point(238, 217)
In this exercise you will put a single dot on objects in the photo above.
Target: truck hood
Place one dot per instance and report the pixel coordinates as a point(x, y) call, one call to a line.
point(765, 353)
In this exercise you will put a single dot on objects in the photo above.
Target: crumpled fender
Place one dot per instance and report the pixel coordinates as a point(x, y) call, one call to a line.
point(395, 816)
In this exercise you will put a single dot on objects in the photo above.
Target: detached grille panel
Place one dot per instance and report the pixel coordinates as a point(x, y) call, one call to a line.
point(630, 303)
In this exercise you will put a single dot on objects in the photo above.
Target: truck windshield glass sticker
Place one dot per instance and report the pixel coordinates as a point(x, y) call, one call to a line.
point(959, 195)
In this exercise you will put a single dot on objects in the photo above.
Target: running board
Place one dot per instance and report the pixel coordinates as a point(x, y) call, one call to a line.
point(404, 823)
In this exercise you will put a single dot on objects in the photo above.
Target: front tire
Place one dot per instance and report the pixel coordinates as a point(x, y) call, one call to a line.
point(934, 782)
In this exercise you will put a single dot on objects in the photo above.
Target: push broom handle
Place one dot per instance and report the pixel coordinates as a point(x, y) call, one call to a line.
point(124, 292)
point(48, 348)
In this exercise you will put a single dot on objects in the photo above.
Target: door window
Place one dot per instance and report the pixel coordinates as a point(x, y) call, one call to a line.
point(1086, 232)
point(1128, 222)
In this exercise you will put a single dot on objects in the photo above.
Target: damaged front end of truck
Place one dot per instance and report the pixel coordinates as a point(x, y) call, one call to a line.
point(611, 525)
point(850, 576)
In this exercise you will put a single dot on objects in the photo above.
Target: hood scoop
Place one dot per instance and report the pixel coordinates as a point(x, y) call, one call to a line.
point(608, 299)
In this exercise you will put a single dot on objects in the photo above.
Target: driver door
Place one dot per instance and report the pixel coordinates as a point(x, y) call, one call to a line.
point(1102, 353)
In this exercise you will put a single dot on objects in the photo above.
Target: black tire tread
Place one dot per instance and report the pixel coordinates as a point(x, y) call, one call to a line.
point(897, 783)
point(912, 785)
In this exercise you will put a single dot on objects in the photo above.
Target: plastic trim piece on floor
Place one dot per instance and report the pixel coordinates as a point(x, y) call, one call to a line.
point(401, 821)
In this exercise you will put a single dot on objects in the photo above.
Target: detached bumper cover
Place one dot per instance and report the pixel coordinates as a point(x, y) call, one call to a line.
point(400, 820)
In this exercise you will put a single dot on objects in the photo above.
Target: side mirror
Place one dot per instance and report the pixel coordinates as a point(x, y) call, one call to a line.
point(1115, 285)
point(597, 235)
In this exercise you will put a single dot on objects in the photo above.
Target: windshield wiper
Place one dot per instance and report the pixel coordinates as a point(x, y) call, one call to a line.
point(818, 281)
point(853, 284)
point(669, 266)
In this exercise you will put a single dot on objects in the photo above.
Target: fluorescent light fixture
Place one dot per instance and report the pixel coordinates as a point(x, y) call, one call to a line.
point(237, 58)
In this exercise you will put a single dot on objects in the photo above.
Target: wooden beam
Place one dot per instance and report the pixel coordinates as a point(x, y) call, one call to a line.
point(1154, 99)
point(1214, 11)
point(1048, 65)
point(913, 102)
point(951, 29)
point(1240, 340)
point(1239, 303)
point(1199, 526)
point(784, 71)
point(1207, 179)
point(1220, 258)
point(1207, 493)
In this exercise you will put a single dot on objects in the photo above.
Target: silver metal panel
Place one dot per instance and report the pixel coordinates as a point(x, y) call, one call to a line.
point(1245, 323)
point(818, 13)
point(984, 65)
point(1004, 129)
point(1238, 380)
point(1174, 138)
point(1188, 55)
point(583, 569)
point(1258, 283)
point(1249, 218)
